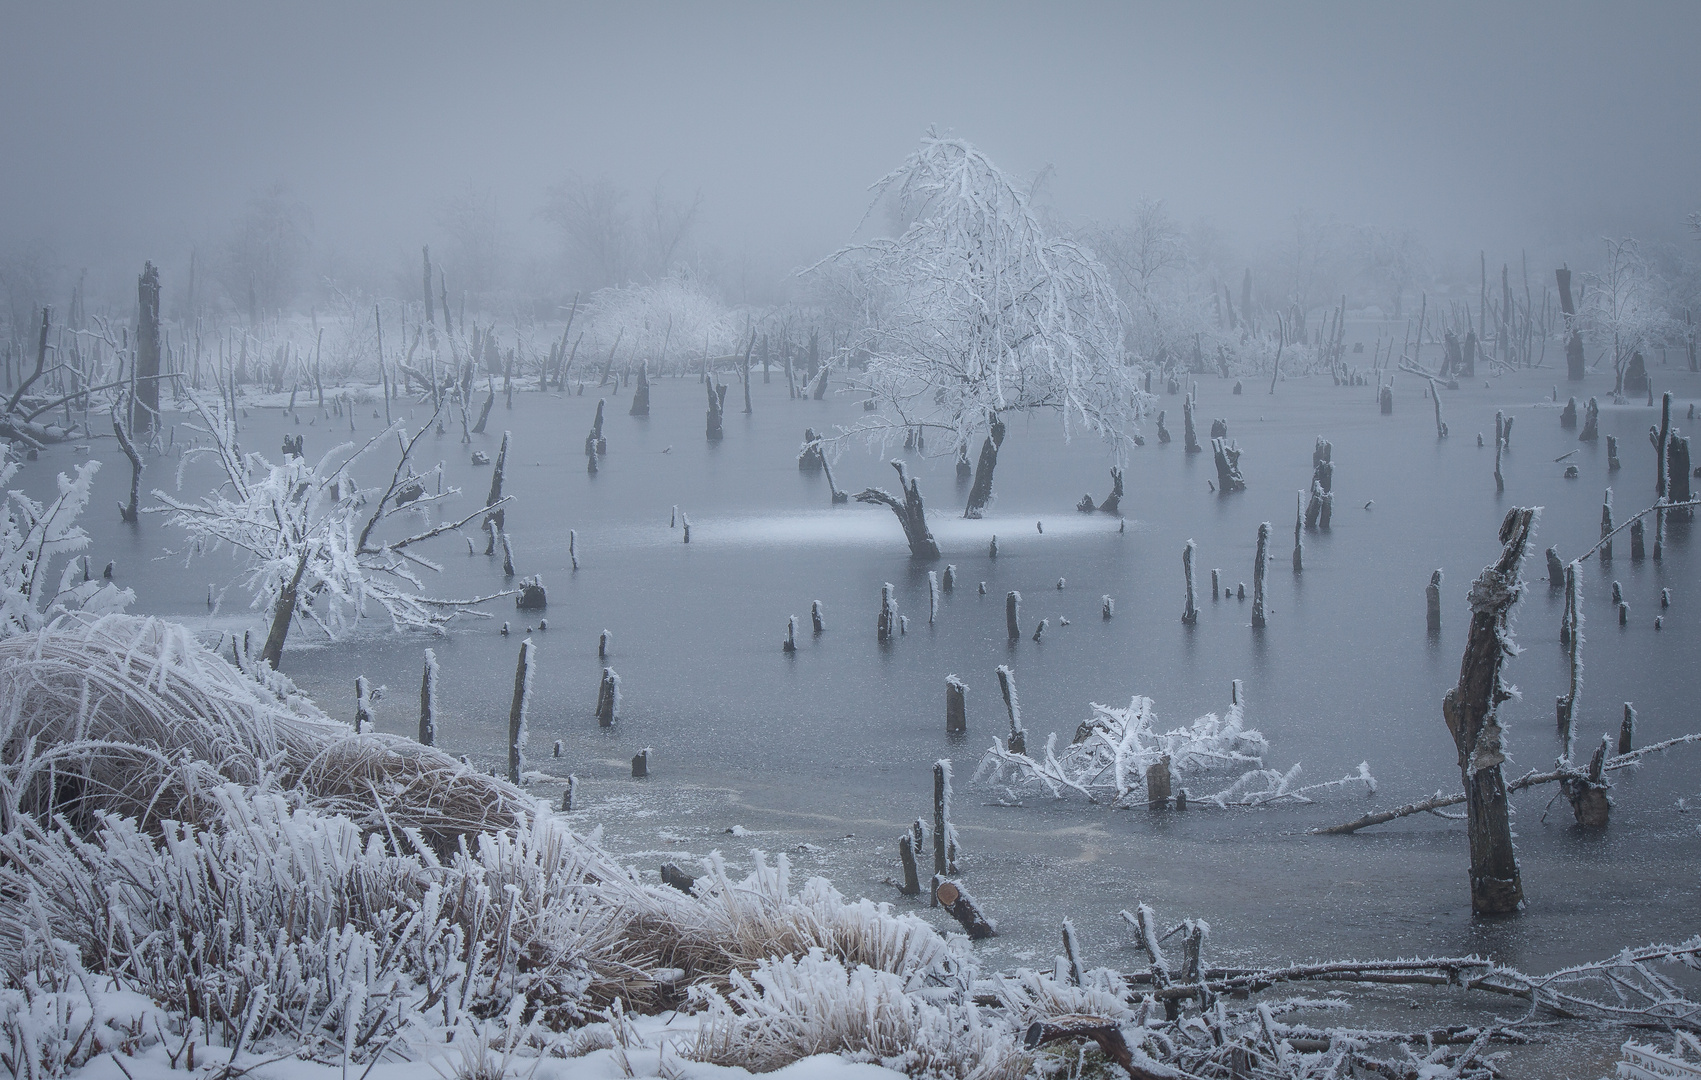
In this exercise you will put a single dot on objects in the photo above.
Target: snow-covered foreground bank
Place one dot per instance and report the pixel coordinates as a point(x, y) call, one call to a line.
point(201, 873)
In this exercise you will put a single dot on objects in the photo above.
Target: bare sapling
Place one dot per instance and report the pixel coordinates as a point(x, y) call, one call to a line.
point(1471, 710)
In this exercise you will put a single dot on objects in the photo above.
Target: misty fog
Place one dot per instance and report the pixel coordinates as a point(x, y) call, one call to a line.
point(988, 542)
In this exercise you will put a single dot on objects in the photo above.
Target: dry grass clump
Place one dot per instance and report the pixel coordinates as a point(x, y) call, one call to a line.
point(132, 716)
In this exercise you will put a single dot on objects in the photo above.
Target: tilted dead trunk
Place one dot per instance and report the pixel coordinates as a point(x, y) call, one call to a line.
point(910, 512)
point(1471, 710)
point(980, 492)
point(146, 399)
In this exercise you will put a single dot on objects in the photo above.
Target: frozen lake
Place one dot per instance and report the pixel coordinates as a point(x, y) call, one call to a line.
point(826, 754)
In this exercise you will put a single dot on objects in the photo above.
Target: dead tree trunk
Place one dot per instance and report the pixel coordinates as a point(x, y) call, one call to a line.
point(608, 698)
point(747, 348)
point(910, 513)
point(517, 711)
point(1574, 368)
point(1262, 559)
point(428, 701)
point(283, 611)
point(1471, 710)
point(1189, 434)
point(1018, 743)
point(980, 492)
point(1013, 615)
point(1189, 614)
point(496, 519)
point(641, 395)
point(717, 407)
point(956, 715)
point(1432, 595)
point(1228, 467)
point(127, 513)
point(146, 394)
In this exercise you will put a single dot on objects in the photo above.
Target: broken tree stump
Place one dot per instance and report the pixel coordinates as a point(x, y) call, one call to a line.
point(956, 715)
point(911, 514)
point(1018, 742)
point(1471, 710)
point(608, 698)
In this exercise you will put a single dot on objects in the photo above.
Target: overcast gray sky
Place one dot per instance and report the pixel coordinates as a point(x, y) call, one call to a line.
point(129, 126)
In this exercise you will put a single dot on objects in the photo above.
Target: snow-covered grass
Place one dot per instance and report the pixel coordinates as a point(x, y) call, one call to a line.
point(200, 871)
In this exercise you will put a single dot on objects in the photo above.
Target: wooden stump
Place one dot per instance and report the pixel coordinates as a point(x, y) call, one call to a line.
point(428, 701)
point(906, 856)
point(1259, 560)
point(641, 764)
point(1433, 596)
point(1190, 613)
point(518, 710)
point(1013, 615)
point(955, 899)
point(1158, 783)
point(956, 715)
point(1018, 743)
point(608, 698)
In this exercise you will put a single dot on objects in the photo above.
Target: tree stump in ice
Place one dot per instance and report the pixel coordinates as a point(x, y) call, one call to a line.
point(1260, 560)
point(1433, 595)
point(956, 714)
point(532, 596)
point(641, 395)
point(677, 878)
point(608, 698)
point(1606, 526)
point(519, 710)
point(1385, 400)
point(1163, 432)
point(1190, 436)
point(886, 623)
point(717, 409)
point(1613, 464)
point(1190, 613)
point(1228, 466)
point(1018, 742)
point(1591, 422)
point(906, 857)
point(1158, 783)
point(428, 701)
point(1587, 791)
point(1568, 415)
point(810, 459)
point(1013, 615)
point(980, 492)
point(641, 764)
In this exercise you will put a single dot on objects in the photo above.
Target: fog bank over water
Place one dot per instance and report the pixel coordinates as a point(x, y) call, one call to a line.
point(138, 131)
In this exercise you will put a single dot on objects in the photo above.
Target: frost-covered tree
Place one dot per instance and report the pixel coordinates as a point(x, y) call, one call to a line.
point(314, 541)
point(32, 537)
point(1622, 308)
point(976, 311)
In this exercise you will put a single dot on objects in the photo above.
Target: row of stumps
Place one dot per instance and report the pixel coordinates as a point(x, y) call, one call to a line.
point(607, 711)
point(944, 890)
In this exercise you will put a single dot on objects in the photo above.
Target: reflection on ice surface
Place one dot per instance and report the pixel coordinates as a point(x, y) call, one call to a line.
point(876, 525)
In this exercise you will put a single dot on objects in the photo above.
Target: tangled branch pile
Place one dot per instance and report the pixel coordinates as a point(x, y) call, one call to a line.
point(1109, 758)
